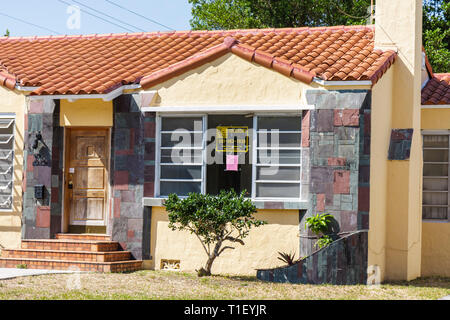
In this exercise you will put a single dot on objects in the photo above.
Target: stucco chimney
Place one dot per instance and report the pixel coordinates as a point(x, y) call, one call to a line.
point(398, 25)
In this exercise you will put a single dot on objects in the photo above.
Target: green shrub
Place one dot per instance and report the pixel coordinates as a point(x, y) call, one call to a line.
point(320, 225)
point(215, 220)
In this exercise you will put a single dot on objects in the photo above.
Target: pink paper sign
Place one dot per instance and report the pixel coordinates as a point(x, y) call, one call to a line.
point(232, 162)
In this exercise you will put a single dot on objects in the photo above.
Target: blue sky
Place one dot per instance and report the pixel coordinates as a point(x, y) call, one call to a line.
point(53, 15)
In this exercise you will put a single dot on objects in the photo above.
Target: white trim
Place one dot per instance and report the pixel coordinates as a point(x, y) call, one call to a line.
point(74, 97)
point(327, 83)
point(235, 109)
point(436, 106)
point(386, 47)
point(435, 132)
point(157, 156)
point(8, 116)
point(254, 154)
point(204, 153)
point(424, 83)
point(25, 88)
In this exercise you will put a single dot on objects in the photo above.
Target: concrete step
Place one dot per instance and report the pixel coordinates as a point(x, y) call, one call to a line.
point(110, 256)
point(72, 245)
point(83, 236)
point(117, 266)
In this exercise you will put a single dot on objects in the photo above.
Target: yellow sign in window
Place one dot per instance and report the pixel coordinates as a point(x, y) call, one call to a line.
point(232, 139)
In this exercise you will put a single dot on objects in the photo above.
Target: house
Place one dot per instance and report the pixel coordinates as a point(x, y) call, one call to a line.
point(98, 129)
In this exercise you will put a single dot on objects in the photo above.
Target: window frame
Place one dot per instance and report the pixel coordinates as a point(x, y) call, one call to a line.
point(255, 163)
point(436, 133)
point(12, 152)
point(158, 153)
point(253, 148)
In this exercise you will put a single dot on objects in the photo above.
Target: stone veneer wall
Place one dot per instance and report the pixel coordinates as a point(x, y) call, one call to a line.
point(42, 218)
point(344, 262)
point(132, 174)
point(336, 161)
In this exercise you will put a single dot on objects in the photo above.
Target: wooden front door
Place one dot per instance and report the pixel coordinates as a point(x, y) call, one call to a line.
point(86, 176)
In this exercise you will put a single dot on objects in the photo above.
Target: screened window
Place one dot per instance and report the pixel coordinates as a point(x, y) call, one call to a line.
point(181, 154)
point(278, 157)
point(435, 177)
point(189, 158)
point(6, 161)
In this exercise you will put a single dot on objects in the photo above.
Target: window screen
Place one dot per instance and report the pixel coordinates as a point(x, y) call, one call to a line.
point(278, 158)
point(6, 161)
point(435, 177)
point(181, 155)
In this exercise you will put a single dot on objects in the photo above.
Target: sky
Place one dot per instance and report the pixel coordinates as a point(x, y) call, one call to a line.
point(56, 17)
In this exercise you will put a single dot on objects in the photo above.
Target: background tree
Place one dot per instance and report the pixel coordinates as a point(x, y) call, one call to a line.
point(6, 33)
point(436, 33)
point(243, 14)
point(215, 220)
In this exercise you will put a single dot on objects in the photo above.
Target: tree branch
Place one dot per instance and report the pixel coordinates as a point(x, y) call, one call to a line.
point(223, 249)
point(233, 239)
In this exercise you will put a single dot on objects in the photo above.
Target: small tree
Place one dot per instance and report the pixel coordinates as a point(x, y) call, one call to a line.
point(215, 220)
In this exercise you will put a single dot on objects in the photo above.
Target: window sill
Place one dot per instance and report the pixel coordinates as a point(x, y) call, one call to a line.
point(435, 221)
point(260, 204)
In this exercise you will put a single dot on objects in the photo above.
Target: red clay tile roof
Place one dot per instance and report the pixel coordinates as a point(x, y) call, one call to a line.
point(437, 90)
point(98, 64)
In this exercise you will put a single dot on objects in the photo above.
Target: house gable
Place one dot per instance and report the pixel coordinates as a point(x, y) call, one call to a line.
point(230, 80)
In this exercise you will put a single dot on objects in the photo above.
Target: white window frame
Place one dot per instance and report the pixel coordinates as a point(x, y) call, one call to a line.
point(255, 164)
point(438, 133)
point(158, 152)
point(10, 169)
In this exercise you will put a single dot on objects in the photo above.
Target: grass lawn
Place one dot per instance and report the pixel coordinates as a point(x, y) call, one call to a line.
point(177, 285)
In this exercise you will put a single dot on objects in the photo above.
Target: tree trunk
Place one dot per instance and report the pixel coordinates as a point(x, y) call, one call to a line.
point(206, 271)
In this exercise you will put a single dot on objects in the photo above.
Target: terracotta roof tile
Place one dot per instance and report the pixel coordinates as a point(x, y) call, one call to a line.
point(98, 63)
point(437, 90)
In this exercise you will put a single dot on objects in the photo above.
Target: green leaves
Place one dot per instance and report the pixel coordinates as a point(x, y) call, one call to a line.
point(245, 14)
point(320, 223)
point(212, 218)
point(324, 241)
point(436, 34)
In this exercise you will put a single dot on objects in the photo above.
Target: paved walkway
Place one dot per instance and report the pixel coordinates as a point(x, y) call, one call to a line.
point(14, 273)
point(445, 298)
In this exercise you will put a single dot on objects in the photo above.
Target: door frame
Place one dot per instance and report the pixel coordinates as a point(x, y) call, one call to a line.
point(65, 216)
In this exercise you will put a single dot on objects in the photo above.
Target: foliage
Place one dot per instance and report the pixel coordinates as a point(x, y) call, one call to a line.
point(436, 33)
point(22, 266)
point(234, 14)
point(7, 33)
point(324, 241)
point(215, 220)
point(247, 14)
point(288, 258)
point(320, 223)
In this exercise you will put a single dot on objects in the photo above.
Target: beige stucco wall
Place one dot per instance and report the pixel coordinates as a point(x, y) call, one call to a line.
point(399, 24)
point(230, 80)
point(260, 250)
point(86, 112)
point(435, 235)
point(436, 249)
point(435, 119)
point(10, 221)
point(381, 116)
